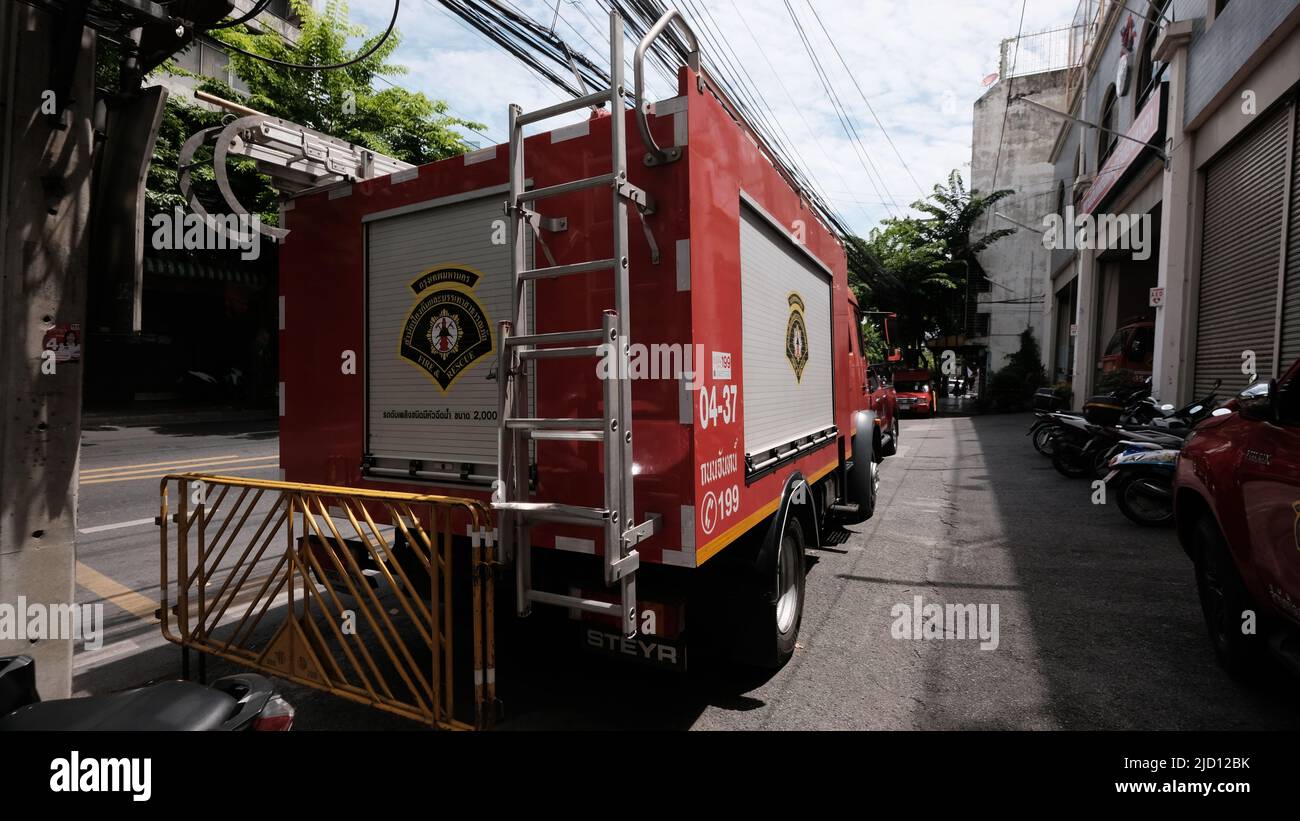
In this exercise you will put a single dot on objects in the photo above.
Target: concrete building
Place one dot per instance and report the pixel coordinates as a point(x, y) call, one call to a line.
point(1176, 170)
point(207, 57)
point(1011, 149)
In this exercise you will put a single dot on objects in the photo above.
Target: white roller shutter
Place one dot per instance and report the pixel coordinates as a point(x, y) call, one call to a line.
point(410, 416)
point(786, 397)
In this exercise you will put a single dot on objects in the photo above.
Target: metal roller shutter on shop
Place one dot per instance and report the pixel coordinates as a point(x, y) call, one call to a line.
point(1245, 196)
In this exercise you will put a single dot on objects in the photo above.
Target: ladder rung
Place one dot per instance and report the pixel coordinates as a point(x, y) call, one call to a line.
point(555, 338)
point(555, 424)
point(566, 187)
point(594, 98)
point(556, 512)
point(561, 353)
point(567, 435)
point(590, 605)
point(566, 270)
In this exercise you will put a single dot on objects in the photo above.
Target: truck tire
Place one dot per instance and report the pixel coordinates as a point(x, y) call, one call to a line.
point(1224, 598)
point(865, 476)
point(783, 590)
point(892, 448)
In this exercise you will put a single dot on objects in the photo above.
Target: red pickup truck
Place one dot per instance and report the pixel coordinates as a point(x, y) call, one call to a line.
point(916, 391)
point(1237, 507)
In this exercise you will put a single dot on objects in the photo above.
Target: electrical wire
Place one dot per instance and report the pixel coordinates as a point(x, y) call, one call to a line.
point(861, 94)
point(997, 161)
point(257, 9)
point(397, 4)
point(863, 156)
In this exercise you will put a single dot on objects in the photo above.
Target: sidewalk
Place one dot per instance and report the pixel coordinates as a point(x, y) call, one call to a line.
point(170, 413)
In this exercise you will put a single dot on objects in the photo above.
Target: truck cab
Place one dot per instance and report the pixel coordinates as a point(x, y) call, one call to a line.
point(1237, 508)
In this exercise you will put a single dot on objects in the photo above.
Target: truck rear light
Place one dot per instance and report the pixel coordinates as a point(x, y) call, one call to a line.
point(277, 716)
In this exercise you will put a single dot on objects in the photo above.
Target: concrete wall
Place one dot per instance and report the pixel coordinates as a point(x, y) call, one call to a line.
point(1016, 264)
point(1237, 39)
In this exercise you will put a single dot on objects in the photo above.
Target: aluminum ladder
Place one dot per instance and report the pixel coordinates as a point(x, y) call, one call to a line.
point(518, 346)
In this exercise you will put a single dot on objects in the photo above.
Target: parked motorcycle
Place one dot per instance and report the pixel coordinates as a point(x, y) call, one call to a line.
point(1084, 447)
point(1141, 481)
point(237, 703)
point(1139, 409)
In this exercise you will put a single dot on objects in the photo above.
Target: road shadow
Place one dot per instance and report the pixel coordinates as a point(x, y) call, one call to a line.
point(1111, 607)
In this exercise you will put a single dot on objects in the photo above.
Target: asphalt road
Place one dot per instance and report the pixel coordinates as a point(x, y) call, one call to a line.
point(117, 542)
point(1098, 623)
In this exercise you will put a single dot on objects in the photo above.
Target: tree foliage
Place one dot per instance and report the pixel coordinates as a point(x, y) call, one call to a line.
point(345, 103)
point(920, 267)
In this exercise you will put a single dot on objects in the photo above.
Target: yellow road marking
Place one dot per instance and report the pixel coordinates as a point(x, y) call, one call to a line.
point(232, 466)
point(136, 604)
point(116, 468)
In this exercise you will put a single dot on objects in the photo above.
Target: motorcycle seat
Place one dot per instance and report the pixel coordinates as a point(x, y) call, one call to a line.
point(168, 705)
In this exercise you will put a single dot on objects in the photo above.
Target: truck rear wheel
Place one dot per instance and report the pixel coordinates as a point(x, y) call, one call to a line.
point(781, 583)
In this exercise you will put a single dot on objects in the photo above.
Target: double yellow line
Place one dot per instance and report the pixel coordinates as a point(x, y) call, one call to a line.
point(157, 470)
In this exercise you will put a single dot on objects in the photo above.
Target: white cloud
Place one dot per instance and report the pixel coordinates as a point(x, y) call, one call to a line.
point(919, 62)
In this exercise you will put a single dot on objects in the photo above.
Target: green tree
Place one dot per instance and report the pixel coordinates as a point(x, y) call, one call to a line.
point(957, 219)
point(344, 103)
point(899, 268)
point(1012, 387)
point(923, 267)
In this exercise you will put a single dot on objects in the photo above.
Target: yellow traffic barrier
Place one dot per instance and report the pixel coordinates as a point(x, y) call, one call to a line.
point(354, 592)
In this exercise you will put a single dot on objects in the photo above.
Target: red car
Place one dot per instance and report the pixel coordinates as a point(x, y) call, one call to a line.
point(916, 392)
point(1237, 507)
point(1131, 347)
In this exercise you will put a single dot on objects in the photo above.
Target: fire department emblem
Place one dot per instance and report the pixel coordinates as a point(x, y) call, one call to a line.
point(796, 337)
point(447, 329)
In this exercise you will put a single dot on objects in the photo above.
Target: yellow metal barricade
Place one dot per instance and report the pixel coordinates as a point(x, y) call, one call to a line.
point(354, 592)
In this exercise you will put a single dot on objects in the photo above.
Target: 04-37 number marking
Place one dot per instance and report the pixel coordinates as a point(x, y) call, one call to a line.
point(717, 409)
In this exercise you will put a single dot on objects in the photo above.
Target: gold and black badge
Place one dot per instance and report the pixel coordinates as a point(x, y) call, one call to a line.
point(447, 329)
point(796, 337)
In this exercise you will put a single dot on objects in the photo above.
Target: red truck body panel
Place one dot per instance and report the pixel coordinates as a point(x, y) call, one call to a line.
point(690, 297)
point(1246, 472)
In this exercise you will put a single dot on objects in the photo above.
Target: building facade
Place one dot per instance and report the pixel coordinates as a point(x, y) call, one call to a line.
point(1011, 149)
point(1176, 169)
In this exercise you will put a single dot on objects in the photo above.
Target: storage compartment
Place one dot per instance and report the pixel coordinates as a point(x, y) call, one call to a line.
point(1103, 410)
point(1046, 399)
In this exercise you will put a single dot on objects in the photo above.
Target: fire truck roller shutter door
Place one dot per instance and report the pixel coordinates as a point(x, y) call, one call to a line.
point(436, 285)
point(786, 345)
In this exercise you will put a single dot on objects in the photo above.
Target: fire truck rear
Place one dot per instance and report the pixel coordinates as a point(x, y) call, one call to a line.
point(631, 336)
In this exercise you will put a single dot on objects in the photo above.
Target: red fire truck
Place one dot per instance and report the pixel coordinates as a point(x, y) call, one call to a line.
point(632, 334)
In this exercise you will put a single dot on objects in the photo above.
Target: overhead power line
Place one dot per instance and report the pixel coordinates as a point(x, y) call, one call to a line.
point(397, 4)
point(860, 150)
point(861, 94)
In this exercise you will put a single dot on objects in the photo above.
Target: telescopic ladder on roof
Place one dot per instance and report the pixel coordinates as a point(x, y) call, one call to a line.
point(519, 346)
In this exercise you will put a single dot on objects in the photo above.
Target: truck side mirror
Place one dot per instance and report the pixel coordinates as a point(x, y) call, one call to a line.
point(1273, 404)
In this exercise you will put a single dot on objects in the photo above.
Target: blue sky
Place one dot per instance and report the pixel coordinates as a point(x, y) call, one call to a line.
point(919, 63)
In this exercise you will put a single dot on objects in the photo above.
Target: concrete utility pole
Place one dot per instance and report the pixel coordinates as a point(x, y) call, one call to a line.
point(45, 193)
